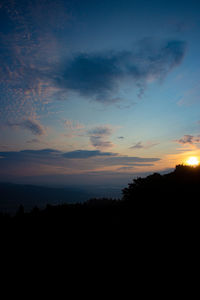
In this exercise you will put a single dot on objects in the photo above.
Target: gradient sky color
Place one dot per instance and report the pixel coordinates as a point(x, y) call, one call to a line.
point(97, 91)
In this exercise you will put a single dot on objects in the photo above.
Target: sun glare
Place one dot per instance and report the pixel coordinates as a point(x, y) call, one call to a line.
point(192, 161)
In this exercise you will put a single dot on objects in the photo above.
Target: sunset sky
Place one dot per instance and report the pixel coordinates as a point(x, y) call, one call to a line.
point(97, 91)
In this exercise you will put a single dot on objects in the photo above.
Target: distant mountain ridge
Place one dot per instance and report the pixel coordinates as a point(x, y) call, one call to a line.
point(13, 195)
point(177, 188)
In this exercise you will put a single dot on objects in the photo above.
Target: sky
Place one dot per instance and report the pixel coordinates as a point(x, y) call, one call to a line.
point(97, 91)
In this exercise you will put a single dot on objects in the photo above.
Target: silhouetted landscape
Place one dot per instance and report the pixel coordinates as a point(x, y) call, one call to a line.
point(99, 146)
point(157, 204)
point(14, 195)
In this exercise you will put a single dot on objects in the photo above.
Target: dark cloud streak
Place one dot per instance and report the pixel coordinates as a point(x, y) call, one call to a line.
point(189, 139)
point(86, 154)
point(140, 145)
point(31, 125)
point(98, 75)
point(47, 156)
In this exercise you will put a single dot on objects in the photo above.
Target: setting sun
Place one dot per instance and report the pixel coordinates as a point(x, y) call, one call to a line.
point(192, 161)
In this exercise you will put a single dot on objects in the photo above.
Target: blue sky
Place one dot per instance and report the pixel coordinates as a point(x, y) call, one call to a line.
point(109, 88)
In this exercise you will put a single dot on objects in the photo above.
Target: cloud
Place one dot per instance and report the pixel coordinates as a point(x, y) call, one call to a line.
point(31, 125)
point(125, 169)
point(90, 74)
point(137, 146)
point(129, 160)
point(99, 135)
point(189, 139)
point(45, 152)
point(100, 131)
point(86, 154)
point(17, 161)
point(73, 125)
point(99, 142)
point(98, 75)
point(131, 167)
point(140, 145)
point(33, 141)
point(74, 128)
point(34, 126)
point(30, 48)
point(45, 161)
point(49, 154)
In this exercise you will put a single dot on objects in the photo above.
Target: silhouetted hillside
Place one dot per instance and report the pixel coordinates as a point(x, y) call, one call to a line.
point(157, 204)
point(180, 185)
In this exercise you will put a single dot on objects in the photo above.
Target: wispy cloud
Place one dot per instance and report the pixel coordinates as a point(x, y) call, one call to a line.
point(129, 160)
point(33, 141)
point(189, 139)
point(137, 146)
point(99, 136)
point(29, 49)
point(100, 131)
point(141, 145)
point(86, 154)
point(25, 161)
point(74, 128)
point(73, 125)
point(31, 125)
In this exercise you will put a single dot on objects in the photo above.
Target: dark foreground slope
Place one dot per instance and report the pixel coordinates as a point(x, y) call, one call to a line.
point(150, 238)
point(154, 204)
